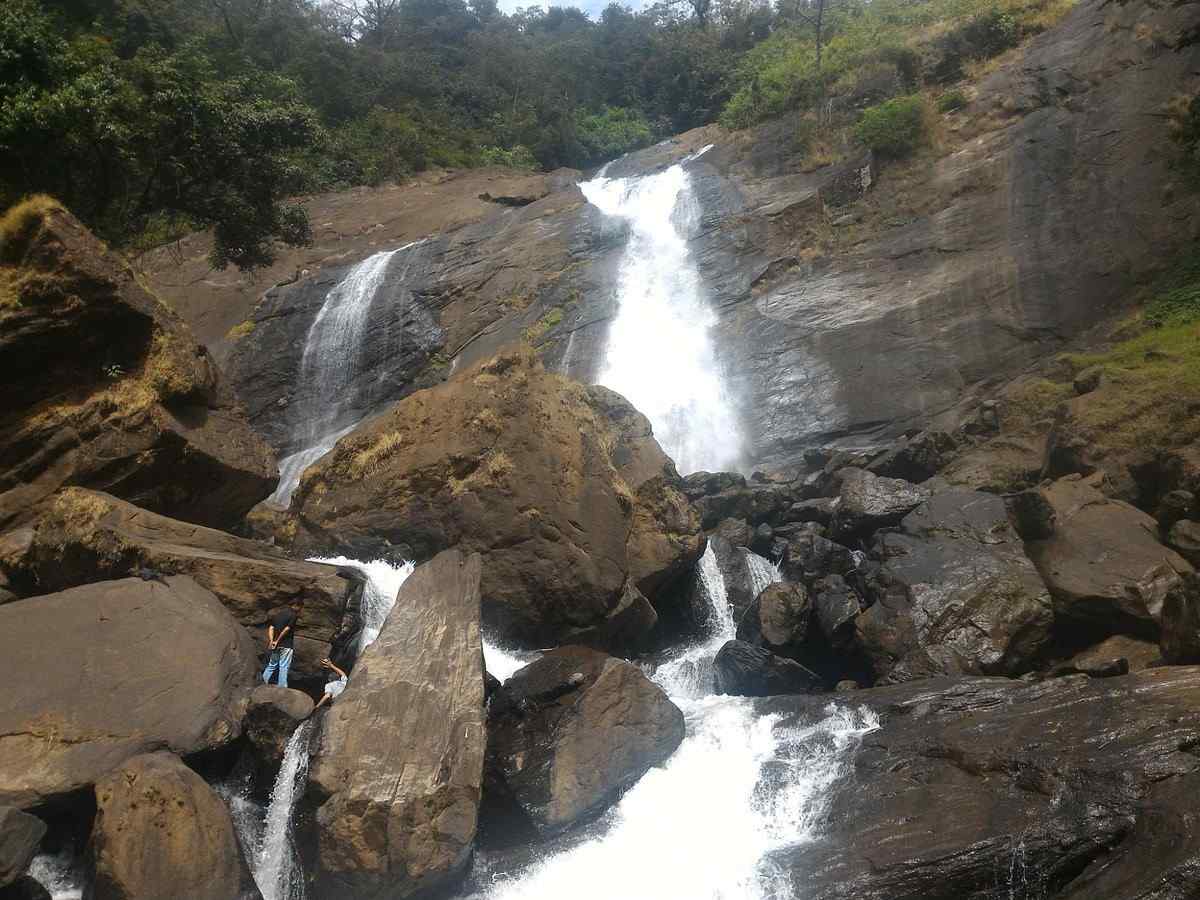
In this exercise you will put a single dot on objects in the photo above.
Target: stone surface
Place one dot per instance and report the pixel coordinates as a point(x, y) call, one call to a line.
point(1080, 788)
point(25, 888)
point(575, 729)
point(272, 716)
point(915, 459)
point(1104, 564)
point(20, 834)
point(1185, 537)
point(83, 536)
point(1180, 641)
point(105, 387)
point(162, 833)
point(1137, 653)
point(121, 667)
point(398, 773)
point(960, 596)
point(836, 605)
point(867, 502)
point(748, 671)
point(560, 487)
point(778, 619)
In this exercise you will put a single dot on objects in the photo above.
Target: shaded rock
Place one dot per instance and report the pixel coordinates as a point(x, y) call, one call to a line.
point(1033, 515)
point(1094, 668)
point(868, 502)
point(961, 597)
point(763, 540)
point(1104, 564)
point(748, 671)
point(1002, 465)
point(703, 484)
point(846, 685)
point(1088, 379)
point(398, 774)
point(1137, 653)
point(778, 619)
point(916, 459)
point(811, 556)
point(466, 463)
point(1185, 537)
point(1180, 640)
point(754, 503)
point(105, 387)
point(968, 778)
point(836, 606)
point(272, 716)
point(162, 833)
point(736, 532)
point(818, 509)
point(1176, 505)
point(626, 630)
point(83, 536)
point(122, 667)
point(578, 728)
point(25, 888)
point(20, 834)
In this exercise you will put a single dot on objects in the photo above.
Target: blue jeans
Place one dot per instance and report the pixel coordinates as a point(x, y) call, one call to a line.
point(281, 658)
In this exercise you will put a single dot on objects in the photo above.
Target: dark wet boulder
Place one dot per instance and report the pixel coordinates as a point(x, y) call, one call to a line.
point(396, 780)
point(812, 556)
point(20, 834)
point(867, 502)
point(121, 667)
point(755, 503)
point(25, 888)
point(836, 604)
point(818, 509)
point(272, 716)
point(1185, 538)
point(1033, 515)
point(162, 833)
point(778, 619)
point(735, 532)
point(1074, 788)
point(704, 484)
point(746, 574)
point(1176, 505)
point(748, 671)
point(466, 463)
point(1104, 564)
point(577, 727)
point(960, 595)
point(915, 459)
point(1180, 639)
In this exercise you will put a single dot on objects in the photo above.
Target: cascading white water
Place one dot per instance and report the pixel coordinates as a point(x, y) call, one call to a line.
point(703, 824)
point(328, 366)
point(275, 865)
point(660, 355)
point(762, 571)
point(61, 874)
point(379, 593)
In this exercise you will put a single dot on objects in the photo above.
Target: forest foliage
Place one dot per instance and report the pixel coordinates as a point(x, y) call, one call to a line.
point(149, 118)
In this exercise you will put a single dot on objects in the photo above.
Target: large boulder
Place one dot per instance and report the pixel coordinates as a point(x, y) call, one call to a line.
point(745, 670)
point(162, 833)
point(778, 619)
point(867, 502)
point(573, 730)
point(1104, 563)
point(1074, 788)
point(1180, 641)
point(960, 595)
point(111, 670)
point(20, 834)
point(25, 888)
point(105, 387)
point(83, 536)
point(560, 487)
point(272, 716)
point(399, 771)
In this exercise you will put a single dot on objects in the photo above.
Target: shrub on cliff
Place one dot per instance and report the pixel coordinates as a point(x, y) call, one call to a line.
point(895, 128)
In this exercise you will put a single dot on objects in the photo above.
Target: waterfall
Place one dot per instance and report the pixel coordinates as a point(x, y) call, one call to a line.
point(330, 362)
point(379, 593)
point(61, 873)
point(275, 863)
point(762, 571)
point(704, 824)
point(660, 355)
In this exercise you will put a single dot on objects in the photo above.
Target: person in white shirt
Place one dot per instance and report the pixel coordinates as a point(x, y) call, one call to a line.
point(332, 688)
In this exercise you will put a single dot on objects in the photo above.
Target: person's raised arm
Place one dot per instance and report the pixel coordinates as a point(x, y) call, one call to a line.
point(271, 637)
point(335, 668)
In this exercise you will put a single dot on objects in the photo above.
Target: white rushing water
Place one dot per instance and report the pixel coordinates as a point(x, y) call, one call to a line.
point(702, 825)
point(331, 360)
point(660, 354)
point(379, 593)
point(61, 874)
point(275, 864)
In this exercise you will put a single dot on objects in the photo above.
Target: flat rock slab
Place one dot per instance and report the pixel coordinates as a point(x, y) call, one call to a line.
point(990, 789)
point(110, 670)
point(399, 772)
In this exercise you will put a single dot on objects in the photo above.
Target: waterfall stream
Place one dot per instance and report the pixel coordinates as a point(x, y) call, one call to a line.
point(703, 824)
point(660, 355)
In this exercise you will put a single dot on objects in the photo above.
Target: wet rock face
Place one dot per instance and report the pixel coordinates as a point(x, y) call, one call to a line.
point(20, 834)
point(1180, 640)
point(571, 731)
point(271, 717)
point(748, 671)
point(105, 387)
point(960, 595)
point(161, 832)
point(83, 536)
point(973, 777)
point(867, 502)
point(561, 488)
point(778, 619)
point(1103, 563)
point(122, 667)
point(397, 777)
